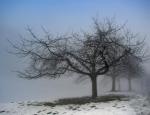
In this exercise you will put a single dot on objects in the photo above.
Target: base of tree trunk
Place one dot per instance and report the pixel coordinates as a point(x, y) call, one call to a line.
point(94, 87)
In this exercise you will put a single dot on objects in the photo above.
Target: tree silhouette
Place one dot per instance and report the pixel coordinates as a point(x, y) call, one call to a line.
point(130, 67)
point(89, 54)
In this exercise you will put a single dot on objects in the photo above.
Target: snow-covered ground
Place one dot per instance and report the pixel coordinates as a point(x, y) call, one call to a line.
point(135, 106)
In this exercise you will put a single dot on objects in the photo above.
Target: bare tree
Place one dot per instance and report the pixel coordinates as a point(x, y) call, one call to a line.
point(89, 54)
point(130, 65)
point(132, 69)
point(114, 72)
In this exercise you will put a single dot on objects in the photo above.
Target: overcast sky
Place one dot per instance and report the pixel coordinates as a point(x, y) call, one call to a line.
point(57, 16)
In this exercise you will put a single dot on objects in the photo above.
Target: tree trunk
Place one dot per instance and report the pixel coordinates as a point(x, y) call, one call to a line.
point(119, 85)
point(94, 87)
point(113, 84)
point(130, 84)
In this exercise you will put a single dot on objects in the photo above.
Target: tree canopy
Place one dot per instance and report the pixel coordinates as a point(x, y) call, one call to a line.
point(90, 54)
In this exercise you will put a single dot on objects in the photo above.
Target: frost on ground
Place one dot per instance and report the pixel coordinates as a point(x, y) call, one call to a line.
point(136, 105)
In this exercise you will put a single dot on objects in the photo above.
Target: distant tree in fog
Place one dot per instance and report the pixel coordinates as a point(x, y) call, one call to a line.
point(89, 54)
point(132, 69)
point(131, 65)
point(114, 72)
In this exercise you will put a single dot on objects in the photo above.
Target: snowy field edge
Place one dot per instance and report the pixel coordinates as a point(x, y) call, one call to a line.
point(136, 105)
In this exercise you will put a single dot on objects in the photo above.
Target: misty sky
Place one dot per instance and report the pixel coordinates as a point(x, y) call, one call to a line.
point(57, 16)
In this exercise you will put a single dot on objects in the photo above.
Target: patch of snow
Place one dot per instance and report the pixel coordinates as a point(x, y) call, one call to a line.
point(135, 106)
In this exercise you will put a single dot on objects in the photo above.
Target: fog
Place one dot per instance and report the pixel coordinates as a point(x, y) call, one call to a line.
point(62, 16)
